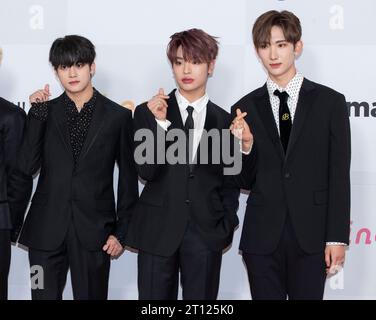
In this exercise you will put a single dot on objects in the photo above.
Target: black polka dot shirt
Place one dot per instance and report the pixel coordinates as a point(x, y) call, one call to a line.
point(78, 122)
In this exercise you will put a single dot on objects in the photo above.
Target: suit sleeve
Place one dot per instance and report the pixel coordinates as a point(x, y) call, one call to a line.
point(128, 179)
point(149, 150)
point(338, 220)
point(19, 185)
point(31, 149)
point(230, 191)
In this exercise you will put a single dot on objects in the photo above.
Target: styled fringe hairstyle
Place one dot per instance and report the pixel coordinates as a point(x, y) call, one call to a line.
point(197, 46)
point(70, 50)
point(286, 20)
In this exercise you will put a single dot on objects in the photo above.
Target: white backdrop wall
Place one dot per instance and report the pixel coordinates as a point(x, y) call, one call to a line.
point(131, 37)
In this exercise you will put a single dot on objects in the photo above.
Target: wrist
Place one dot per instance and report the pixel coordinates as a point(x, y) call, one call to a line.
point(246, 145)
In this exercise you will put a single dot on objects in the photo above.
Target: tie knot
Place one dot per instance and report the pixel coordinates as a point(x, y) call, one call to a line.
point(283, 96)
point(190, 110)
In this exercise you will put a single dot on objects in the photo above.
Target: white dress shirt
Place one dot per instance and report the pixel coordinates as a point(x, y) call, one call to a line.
point(199, 116)
point(292, 89)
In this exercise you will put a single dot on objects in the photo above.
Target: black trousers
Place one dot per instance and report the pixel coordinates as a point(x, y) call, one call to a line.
point(158, 277)
point(5, 254)
point(288, 272)
point(89, 271)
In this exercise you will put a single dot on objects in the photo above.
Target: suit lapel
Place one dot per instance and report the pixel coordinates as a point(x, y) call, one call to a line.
point(265, 112)
point(210, 123)
point(173, 112)
point(60, 120)
point(305, 102)
point(211, 117)
point(96, 124)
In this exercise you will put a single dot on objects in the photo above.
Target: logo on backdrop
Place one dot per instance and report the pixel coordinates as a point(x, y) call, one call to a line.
point(355, 109)
point(337, 20)
point(361, 109)
point(39, 22)
point(22, 104)
point(36, 17)
point(361, 236)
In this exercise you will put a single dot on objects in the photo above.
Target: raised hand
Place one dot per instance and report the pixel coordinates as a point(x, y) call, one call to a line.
point(240, 129)
point(41, 95)
point(158, 105)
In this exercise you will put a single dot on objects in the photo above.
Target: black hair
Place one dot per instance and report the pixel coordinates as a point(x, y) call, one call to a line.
point(70, 50)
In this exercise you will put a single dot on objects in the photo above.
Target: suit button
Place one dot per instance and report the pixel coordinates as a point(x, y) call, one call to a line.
point(287, 175)
point(191, 176)
point(187, 201)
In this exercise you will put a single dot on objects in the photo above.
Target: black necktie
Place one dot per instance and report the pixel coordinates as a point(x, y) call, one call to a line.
point(285, 122)
point(189, 124)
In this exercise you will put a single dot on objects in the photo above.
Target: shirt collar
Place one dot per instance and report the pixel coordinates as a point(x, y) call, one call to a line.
point(292, 88)
point(198, 105)
point(70, 103)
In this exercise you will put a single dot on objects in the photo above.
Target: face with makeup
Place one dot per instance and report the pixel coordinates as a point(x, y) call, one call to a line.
point(191, 76)
point(278, 56)
point(76, 78)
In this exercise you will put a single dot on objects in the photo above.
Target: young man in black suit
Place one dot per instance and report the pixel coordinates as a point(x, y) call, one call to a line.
point(15, 188)
point(296, 162)
point(186, 214)
point(75, 140)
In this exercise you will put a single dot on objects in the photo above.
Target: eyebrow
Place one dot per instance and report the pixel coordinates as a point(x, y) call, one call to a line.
point(269, 42)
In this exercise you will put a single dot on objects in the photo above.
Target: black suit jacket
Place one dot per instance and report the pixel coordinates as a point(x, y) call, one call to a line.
point(311, 182)
point(173, 194)
point(84, 193)
point(15, 188)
